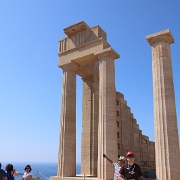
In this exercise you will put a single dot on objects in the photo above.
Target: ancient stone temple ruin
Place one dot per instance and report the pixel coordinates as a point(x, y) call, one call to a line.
point(106, 116)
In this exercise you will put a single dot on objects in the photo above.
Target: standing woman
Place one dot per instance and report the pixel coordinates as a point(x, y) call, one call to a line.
point(27, 174)
point(11, 172)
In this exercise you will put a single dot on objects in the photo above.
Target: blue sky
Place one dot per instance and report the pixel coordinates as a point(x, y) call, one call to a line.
point(30, 91)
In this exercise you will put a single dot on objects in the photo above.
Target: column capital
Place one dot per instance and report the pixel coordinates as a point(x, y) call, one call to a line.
point(110, 52)
point(162, 36)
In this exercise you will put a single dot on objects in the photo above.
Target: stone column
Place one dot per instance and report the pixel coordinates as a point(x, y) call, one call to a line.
point(90, 111)
point(67, 145)
point(165, 120)
point(107, 128)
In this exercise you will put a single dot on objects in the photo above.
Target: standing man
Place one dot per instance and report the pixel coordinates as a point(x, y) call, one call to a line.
point(3, 175)
point(130, 170)
point(117, 166)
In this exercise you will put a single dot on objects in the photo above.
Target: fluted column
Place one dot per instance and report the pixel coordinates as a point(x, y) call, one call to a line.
point(90, 111)
point(165, 120)
point(67, 145)
point(107, 130)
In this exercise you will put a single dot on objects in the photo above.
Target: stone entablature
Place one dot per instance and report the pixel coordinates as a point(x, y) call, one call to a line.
point(81, 38)
point(75, 28)
point(81, 46)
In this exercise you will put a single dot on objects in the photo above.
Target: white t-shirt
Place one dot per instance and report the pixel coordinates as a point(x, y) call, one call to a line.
point(117, 168)
point(26, 174)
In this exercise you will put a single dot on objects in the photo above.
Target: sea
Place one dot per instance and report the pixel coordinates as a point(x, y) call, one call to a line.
point(42, 170)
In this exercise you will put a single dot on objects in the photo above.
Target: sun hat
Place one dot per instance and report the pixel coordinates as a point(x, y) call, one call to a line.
point(122, 158)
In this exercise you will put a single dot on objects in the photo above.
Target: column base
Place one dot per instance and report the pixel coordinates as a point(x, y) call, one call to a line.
point(81, 177)
point(78, 177)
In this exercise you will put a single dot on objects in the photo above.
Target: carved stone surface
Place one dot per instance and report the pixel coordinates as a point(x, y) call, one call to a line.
point(67, 145)
point(75, 28)
point(106, 118)
point(162, 36)
point(165, 120)
point(90, 112)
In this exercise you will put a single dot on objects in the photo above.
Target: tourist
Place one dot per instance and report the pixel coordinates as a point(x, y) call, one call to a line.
point(117, 166)
point(11, 172)
point(3, 175)
point(130, 170)
point(27, 174)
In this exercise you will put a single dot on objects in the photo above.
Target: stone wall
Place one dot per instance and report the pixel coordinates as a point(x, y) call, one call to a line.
point(130, 137)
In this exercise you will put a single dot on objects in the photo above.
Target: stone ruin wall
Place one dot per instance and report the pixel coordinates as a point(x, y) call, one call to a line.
point(130, 137)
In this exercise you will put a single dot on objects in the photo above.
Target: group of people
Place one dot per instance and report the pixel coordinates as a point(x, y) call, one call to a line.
point(9, 173)
point(126, 168)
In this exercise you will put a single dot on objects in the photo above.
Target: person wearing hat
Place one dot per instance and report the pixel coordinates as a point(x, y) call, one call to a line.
point(117, 166)
point(3, 175)
point(130, 170)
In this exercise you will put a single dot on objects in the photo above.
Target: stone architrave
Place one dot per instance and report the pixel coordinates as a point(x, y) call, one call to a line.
point(165, 120)
point(67, 145)
point(107, 129)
